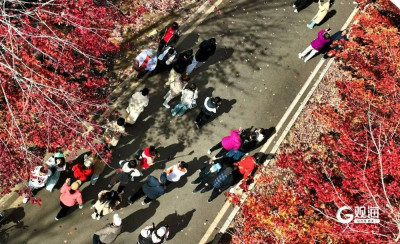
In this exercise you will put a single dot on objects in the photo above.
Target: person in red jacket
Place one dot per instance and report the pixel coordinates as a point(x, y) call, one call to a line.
point(231, 142)
point(83, 171)
point(247, 165)
point(147, 157)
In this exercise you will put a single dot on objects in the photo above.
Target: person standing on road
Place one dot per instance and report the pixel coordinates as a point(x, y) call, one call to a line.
point(206, 49)
point(233, 141)
point(70, 195)
point(114, 131)
point(175, 172)
point(209, 108)
point(145, 61)
point(137, 103)
point(179, 66)
point(175, 88)
point(107, 202)
point(207, 175)
point(37, 179)
point(124, 175)
point(188, 100)
point(83, 171)
point(323, 7)
point(337, 41)
point(98, 167)
point(222, 182)
point(166, 58)
point(316, 45)
point(151, 235)
point(169, 36)
point(147, 156)
point(152, 189)
point(108, 233)
point(300, 5)
point(56, 164)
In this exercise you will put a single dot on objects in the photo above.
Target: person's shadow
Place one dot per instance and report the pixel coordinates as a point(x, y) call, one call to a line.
point(138, 218)
point(221, 54)
point(14, 216)
point(329, 15)
point(225, 107)
point(188, 42)
point(176, 222)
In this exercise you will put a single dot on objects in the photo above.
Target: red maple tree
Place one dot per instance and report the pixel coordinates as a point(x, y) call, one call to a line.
point(356, 160)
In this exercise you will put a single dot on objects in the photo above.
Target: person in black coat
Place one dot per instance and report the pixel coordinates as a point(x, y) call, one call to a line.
point(223, 181)
point(209, 108)
point(168, 36)
point(300, 5)
point(179, 66)
point(206, 49)
point(152, 189)
point(207, 175)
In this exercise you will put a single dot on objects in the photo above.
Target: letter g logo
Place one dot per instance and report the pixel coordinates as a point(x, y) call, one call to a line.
point(349, 217)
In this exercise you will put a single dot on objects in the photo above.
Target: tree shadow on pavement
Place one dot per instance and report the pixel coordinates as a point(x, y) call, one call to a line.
point(176, 222)
point(189, 42)
point(138, 218)
point(12, 219)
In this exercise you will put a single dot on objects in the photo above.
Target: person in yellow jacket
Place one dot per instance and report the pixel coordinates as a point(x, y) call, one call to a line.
point(323, 7)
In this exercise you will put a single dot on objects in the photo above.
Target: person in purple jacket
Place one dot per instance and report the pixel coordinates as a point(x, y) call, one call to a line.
point(316, 45)
point(233, 141)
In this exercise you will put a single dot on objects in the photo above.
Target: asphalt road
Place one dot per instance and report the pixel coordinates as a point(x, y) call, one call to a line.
point(255, 70)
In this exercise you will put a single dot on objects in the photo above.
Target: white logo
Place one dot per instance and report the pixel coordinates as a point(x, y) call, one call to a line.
point(361, 215)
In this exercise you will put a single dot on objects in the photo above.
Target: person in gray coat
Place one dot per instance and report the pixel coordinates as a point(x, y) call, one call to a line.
point(108, 233)
point(152, 189)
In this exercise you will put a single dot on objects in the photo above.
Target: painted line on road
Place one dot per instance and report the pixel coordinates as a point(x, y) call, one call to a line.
point(281, 138)
point(206, 13)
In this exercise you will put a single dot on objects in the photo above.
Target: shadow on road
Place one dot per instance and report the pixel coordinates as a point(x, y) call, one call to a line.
point(176, 222)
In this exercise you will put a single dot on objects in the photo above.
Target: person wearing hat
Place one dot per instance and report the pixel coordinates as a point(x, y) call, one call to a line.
point(83, 171)
point(151, 235)
point(37, 180)
point(137, 103)
point(70, 195)
point(152, 189)
point(108, 233)
point(56, 164)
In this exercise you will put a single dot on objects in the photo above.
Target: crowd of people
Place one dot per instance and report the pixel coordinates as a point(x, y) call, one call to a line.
point(217, 174)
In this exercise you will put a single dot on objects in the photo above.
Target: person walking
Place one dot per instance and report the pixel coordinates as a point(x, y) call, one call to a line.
point(209, 108)
point(337, 41)
point(70, 195)
point(233, 141)
point(151, 235)
point(246, 166)
point(316, 45)
point(114, 131)
point(107, 202)
point(108, 233)
point(188, 100)
point(206, 50)
point(83, 171)
point(124, 175)
point(37, 179)
point(146, 61)
point(175, 172)
point(56, 164)
point(147, 156)
point(166, 58)
point(222, 182)
point(168, 36)
point(98, 167)
point(152, 189)
point(179, 66)
point(175, 88)
point(207, 175)
point(137, 103)
point(323, 7)
point(300, 5)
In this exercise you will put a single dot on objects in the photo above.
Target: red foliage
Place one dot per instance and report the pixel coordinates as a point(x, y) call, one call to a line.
point(357, 163)
point(52, 80)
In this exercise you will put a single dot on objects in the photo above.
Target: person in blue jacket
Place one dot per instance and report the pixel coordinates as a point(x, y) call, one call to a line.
point(152, 189)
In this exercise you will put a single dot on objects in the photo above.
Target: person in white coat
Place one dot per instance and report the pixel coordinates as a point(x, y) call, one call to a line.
point(175, 172)
point(37, 180)
point(188, 100)
point(137, 103)
point(146, 61)
point(175, 88)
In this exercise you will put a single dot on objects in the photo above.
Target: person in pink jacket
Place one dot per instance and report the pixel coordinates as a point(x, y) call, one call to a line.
point(70, 195)
point(322, 39)
point(231, 142)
